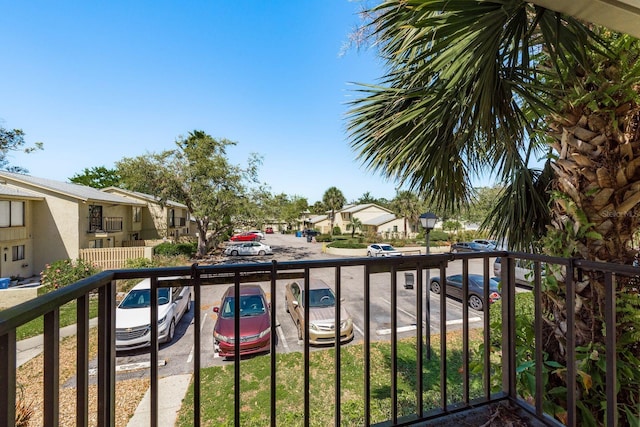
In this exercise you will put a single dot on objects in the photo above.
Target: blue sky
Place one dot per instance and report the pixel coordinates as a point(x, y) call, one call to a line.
point(97, 81)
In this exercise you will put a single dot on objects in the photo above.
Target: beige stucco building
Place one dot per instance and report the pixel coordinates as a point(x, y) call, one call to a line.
point(375, 219)
point(168, 220)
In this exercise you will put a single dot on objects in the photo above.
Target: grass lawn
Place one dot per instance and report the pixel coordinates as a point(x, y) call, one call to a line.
point(217, 403)
point(67, 317)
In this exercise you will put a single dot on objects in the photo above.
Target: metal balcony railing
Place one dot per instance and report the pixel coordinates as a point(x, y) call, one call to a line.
point(110, 224)
point(275, 273)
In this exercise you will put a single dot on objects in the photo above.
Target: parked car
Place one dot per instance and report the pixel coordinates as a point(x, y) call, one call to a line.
point(322, 307)
point(268, 230)
point(255, 322)
point(489, 245)
point(382, 250)
point(258, 232)
point(524, 271)
point(466, 247)
point(475, 289)
point(245, 237)
point(248, 248)
point(133, 329)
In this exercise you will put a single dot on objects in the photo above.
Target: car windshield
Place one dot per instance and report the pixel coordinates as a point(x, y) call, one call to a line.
point(250, 305)
point(387, 248)
point(321, 298)
point(141, 298)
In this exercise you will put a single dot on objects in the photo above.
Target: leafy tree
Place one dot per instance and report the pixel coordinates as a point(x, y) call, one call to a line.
point(318, 208)
point(408, 206)
point(366, 198)
point(13, 140)
point(198, 174)
point(485, 85)
point(354, 224)
point(334, 200)
point(97, 177)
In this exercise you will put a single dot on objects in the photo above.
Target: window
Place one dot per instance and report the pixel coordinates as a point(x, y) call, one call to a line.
point(18, 252)
point(11, 214)
point(137, 214)
point(95, 244)
point(95, 218)
point(172, 218)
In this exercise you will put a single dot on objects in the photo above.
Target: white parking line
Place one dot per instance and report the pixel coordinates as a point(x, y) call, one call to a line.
point(130, 367)
point(398, 330)
point(190, 358)
point(281, 338)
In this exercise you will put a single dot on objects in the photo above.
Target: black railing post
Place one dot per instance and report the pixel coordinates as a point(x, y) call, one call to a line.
point(197, 342)
point(82, 361)
point(106, 354)
point(8, 378)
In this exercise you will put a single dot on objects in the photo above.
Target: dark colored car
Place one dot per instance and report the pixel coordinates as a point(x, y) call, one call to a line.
point(255, 322)
point(475, 290)
point(245, 237)
point(467, 247)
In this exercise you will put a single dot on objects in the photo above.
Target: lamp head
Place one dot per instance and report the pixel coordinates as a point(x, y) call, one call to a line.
point(428, 220)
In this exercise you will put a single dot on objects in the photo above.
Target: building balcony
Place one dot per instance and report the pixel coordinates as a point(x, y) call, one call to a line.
point(431, 371)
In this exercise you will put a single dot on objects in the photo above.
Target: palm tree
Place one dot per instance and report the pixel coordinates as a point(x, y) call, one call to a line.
point(334, 200)
point(482, 85)
point(407, 205)
point(353, 225)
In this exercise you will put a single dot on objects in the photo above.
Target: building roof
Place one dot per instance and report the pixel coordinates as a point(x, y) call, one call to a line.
point(379, 220)
point(142, 196)
point(13, 192)
point(80, 192)
point(317, 218)
point(356, 208)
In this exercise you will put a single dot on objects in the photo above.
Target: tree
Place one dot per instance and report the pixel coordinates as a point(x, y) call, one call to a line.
point(407, 206)
point(97, 177)
point(334, 200)
point(13, 140)
point(198, 174)
point(486, 85)
point(353, 225)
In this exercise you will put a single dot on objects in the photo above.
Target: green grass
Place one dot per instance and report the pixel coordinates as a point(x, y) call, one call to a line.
point(217, 403)
point(67, 317)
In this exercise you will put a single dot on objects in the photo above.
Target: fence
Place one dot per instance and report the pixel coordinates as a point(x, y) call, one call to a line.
point(115, 258)
point(147, 242)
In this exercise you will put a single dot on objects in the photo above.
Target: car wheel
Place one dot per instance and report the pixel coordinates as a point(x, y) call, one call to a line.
point(368, 253)
point(286, 305)
point(435, 287)
point(300, 334)
point(188, 308)
point(261, 253)
point(454, 251)
point(234, 253)
point(475, 302)
point(172, 331)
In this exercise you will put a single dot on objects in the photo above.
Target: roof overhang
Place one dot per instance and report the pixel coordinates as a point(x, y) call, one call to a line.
point(618, 15)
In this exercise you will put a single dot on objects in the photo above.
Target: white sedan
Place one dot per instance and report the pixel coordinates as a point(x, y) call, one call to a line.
point(133, 315)
point(248, 248)
point(382, 249)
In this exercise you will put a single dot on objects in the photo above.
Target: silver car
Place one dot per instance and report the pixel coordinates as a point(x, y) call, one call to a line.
point(248, 248)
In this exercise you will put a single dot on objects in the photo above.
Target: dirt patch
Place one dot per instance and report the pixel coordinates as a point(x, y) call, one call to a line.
point(30, 391)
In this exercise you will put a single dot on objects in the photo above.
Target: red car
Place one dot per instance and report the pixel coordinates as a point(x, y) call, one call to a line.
point(269, 230)
point(255, 322)
point(245, 237)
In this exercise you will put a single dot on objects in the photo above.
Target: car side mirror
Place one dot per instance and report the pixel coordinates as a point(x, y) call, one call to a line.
point(216, 309)
point(295, 303)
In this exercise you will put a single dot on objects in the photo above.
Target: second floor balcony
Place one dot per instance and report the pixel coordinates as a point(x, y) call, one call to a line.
point(416, 358)
point(108, 224)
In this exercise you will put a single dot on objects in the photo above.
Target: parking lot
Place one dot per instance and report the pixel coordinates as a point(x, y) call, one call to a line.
point(176, 357)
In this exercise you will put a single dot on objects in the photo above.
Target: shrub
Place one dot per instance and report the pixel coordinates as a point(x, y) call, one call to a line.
point(65, 272)
point(173, 249)
point(347, 244)
point(323, 238)
point(336, 230)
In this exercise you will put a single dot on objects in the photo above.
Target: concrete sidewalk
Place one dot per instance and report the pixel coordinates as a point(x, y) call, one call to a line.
point(171, 389)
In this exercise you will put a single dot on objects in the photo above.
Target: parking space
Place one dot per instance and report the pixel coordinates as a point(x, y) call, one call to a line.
point(289, 247)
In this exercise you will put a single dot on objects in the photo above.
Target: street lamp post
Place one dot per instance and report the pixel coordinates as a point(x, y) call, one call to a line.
point(428, 221)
